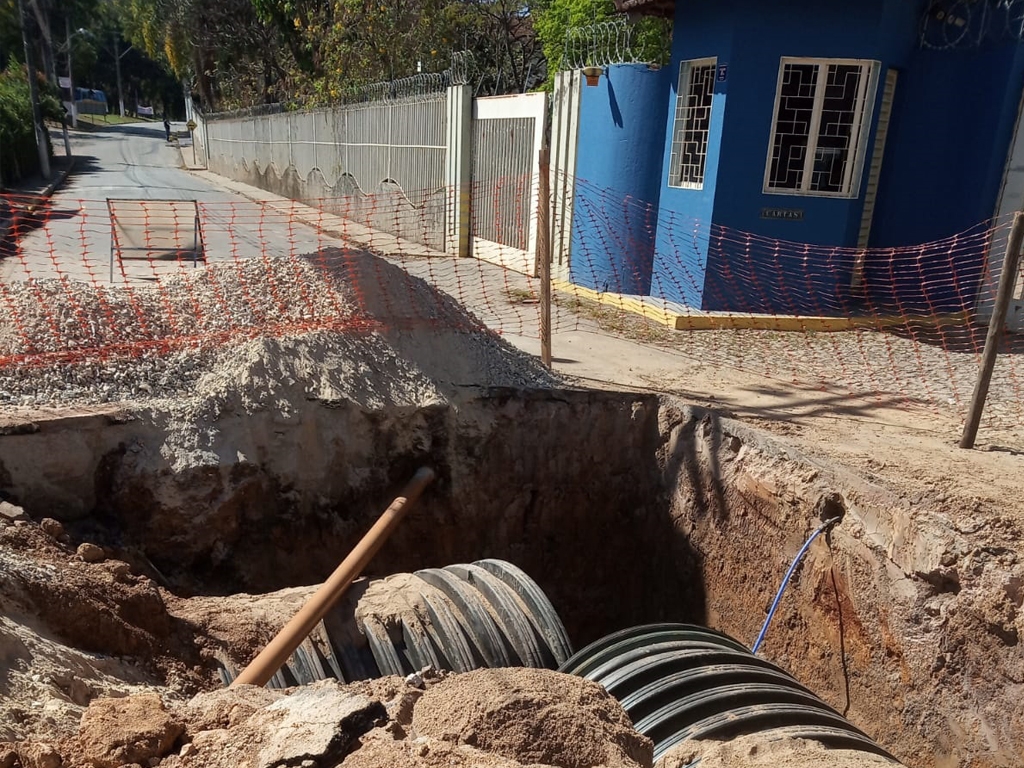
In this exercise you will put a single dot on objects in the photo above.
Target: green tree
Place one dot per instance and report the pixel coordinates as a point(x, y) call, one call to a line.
point(504, 44)
point(221, 49)
point(651, 38)
point(18, 156)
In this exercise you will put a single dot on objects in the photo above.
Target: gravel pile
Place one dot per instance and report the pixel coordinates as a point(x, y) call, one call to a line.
point(332, 325)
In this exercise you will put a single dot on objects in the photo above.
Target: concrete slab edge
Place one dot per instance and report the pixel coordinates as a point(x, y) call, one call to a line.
point(710, 321)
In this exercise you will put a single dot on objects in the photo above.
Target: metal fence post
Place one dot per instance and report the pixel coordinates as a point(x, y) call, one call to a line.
point(544, 253)
point(459, 170)
point(995, 331)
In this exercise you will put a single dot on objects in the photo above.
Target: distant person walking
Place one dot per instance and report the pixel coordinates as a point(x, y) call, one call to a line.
point(167, 127)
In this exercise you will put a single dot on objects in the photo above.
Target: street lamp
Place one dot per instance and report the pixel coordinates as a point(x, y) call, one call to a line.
point(68, 34)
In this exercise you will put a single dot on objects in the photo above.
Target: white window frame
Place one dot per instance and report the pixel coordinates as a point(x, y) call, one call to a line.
point(679, 127)
point(858, 141)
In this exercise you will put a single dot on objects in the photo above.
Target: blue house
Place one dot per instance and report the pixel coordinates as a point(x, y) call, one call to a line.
point(795, 154)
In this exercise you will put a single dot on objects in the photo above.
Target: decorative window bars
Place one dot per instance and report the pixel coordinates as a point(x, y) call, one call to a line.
point(820, 127)
point(692, 125)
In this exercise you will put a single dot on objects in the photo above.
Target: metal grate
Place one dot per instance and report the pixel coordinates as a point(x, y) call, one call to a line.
point(821, 112)
point(692, 126)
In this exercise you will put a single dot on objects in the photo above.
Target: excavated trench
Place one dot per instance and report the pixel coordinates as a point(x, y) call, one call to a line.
point(626, 509)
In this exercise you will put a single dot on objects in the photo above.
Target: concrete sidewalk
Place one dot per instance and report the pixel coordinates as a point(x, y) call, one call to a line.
point(16, 203)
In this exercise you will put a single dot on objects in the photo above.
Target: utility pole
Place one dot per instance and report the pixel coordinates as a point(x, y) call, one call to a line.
point(33, 92)
point(544, 252)
point(117, 66)
point(71, 77)
point(1004, 292)
point(49, 65)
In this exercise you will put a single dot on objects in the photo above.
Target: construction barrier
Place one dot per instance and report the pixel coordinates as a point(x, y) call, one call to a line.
point(900, 322)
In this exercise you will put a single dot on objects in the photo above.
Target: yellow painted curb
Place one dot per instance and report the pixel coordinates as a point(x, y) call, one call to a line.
point(708, 321)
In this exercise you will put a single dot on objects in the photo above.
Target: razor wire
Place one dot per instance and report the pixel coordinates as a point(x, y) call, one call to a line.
point(612, 41)
point(964, 24)
point(420, 85)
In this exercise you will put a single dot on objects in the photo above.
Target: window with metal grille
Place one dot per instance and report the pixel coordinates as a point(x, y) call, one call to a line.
point(692, 124)
point(820, 128)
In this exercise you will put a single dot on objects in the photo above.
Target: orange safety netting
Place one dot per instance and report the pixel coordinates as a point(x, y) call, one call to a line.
point(87, 280)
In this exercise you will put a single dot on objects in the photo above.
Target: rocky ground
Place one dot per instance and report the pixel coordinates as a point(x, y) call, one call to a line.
point(100, 667)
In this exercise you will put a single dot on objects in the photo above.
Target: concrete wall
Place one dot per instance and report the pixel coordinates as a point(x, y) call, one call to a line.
point(702, 30)
point(952, 121)
point(790, 279)
point(622, 123)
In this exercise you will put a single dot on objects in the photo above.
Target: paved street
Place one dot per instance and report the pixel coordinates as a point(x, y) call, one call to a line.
point(134, 163)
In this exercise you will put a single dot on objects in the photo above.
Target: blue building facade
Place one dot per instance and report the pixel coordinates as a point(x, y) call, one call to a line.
point(795, 132)
point(619, 168)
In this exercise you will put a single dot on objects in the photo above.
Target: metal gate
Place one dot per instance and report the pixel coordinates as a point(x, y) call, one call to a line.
point(508, 132)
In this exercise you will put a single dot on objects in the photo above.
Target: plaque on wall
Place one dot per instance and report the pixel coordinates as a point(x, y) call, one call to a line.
point(787, 214)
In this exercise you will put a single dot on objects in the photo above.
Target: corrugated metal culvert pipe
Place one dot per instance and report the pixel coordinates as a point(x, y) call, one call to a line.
point(681, 682)
point(678, 682)
point(458, 618)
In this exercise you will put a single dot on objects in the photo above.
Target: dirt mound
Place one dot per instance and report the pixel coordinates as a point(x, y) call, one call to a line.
point(117, 732)
point(89, 710)
point(763, 751)
point(509, 718)
point(532, 716)
point(72, 632)
point(336, 325)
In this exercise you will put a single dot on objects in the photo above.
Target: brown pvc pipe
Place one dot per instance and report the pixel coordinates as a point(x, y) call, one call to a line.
point(270, 659)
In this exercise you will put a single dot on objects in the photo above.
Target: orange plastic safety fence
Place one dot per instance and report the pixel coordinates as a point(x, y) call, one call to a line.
point(85, 281)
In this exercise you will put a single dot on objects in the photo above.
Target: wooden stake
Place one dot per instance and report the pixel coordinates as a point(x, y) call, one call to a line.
point(1007, 279)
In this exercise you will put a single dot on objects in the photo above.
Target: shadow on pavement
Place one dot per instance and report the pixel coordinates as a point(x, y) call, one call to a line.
point(156, 130)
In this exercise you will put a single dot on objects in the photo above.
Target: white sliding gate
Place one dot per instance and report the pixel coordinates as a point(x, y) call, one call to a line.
point(508, 132)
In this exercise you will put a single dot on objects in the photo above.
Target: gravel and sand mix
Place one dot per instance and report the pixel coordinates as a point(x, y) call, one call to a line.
point(339, 324)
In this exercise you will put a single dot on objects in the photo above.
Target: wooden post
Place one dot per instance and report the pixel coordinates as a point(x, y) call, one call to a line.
point(544, 254)
point(1011, 263)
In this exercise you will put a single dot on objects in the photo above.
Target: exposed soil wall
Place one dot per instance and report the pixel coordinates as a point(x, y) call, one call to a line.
point(906, 618)
point(279, 499)
point(624, 508)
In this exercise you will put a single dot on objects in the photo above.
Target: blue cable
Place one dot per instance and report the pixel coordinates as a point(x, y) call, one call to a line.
point(789, 574)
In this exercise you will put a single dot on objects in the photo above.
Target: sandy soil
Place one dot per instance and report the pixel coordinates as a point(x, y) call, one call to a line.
point(909, 447)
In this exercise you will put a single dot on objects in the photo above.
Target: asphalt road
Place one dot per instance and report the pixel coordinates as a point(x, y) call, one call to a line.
point(128, 164)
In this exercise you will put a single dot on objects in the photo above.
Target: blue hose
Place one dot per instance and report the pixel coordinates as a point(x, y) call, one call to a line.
point(789, 574)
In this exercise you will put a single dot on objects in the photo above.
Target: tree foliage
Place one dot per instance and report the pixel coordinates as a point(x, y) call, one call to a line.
point(220, 48)
point(18, 156)
point(650, 38)
point(240, 53)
